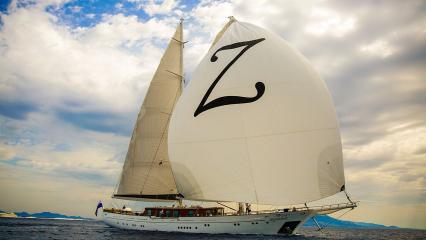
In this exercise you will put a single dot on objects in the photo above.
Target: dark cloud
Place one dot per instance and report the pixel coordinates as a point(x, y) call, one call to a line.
point(16, 110)
point(99, 121)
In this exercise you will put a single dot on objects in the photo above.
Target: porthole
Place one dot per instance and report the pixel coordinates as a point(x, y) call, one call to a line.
point(196, 227)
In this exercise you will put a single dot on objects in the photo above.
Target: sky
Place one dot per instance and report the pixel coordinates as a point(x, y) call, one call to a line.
point(73, 75)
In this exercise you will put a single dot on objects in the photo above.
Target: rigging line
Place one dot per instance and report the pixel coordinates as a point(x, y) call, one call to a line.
point(226, 206)
point(348, 197)
point(161, 141)
point(250, 166)
point(181, 42)
point(133, 142)
point(318, 225)
point(174, 73)
point(326, 225)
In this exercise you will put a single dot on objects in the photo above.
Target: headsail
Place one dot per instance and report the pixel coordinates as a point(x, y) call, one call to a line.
point(146, 172)
point(255, 124)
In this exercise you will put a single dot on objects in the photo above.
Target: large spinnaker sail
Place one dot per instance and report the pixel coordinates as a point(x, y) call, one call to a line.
point(255, 124)
point(146, 172)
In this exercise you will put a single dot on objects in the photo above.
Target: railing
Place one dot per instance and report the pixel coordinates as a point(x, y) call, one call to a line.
point(124, 212)
point(318, 209)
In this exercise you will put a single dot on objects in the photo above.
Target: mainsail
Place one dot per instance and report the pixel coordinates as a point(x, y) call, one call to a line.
point(146, 172)
point(255, 124)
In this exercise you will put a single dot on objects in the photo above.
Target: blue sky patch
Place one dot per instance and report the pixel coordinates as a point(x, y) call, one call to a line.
point(4, 4)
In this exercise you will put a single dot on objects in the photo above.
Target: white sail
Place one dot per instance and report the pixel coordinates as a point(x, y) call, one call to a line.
point(146, 171)
point(255, 124)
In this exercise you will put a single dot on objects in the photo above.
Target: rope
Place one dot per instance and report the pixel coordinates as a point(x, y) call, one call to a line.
point(337, 218)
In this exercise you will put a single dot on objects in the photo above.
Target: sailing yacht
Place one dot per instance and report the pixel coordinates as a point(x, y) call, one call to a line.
point(255, 125)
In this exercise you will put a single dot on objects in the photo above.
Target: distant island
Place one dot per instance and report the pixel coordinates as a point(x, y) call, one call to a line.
point(46, 215)
point(323, 220)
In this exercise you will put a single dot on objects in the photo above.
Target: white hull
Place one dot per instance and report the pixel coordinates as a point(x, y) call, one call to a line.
point(267, 223)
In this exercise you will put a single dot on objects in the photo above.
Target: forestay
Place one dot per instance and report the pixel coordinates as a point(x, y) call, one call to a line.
point(146, 171)
point(255, 124)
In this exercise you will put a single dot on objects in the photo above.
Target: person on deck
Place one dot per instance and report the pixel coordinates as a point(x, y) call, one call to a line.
point(248, 208)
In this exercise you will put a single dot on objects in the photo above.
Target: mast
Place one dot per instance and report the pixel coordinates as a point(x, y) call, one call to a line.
point(146, 171)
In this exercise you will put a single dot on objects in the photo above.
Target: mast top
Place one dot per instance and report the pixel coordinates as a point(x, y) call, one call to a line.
point(232, 19)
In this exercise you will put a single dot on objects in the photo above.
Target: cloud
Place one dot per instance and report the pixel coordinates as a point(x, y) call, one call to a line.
point(324, 21)
point(155, 7)
point(379, 48)
point(37, 191)
point(101, 122)
point(16, 110)
point(49, 66)
point(42, 143)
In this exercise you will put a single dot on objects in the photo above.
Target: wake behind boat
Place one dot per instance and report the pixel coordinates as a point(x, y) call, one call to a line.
point(256, 125)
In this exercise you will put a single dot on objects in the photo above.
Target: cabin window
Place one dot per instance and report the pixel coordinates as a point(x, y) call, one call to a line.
point(176, 213)
point(190, 213)
point(168, 213)
point(149, 212)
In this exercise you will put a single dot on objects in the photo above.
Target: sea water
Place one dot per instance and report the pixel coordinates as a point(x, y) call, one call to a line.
point(26, 228)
